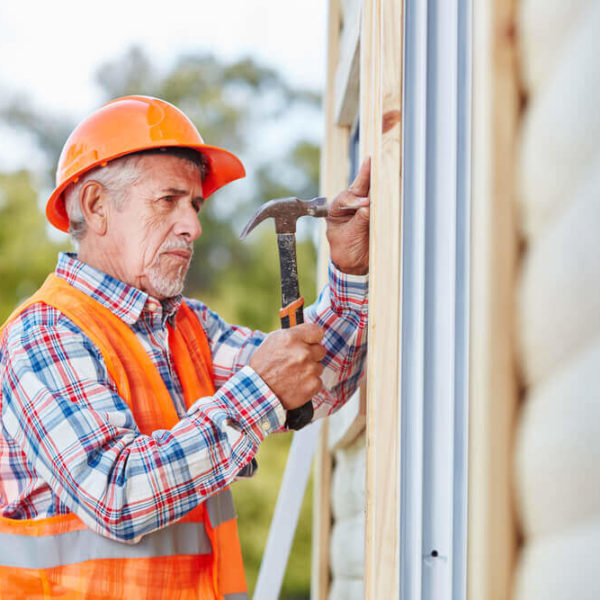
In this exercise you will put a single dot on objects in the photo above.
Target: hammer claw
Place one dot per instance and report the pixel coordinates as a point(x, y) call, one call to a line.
point(285, 212)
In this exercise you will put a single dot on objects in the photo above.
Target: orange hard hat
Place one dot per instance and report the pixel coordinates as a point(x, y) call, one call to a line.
point(127, 125)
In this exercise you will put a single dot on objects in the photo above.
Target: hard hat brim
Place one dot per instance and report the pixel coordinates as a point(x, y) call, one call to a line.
point(223, 167)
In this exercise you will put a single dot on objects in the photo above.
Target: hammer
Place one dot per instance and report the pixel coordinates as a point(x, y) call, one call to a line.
point(286, 211)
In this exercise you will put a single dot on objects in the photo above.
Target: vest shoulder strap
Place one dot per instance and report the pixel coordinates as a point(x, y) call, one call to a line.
point(136, 377)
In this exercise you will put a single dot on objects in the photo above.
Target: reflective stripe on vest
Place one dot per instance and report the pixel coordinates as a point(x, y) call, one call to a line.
point(200, 554)
point(220, 508)
point(45, 552)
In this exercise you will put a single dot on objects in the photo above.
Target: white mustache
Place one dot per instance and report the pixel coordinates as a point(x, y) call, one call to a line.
point(177, 245)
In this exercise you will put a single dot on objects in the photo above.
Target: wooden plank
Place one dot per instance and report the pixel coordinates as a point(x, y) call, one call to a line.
point(334, 155)
point(334, 177)
point(381, 101)
point(366, 147)
point(350, 421)
point(492, 539)
point(321, 526)
point(347, 73)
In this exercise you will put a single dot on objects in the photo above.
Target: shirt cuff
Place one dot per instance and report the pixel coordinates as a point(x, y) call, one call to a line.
point(349, 292)
point(251, 405)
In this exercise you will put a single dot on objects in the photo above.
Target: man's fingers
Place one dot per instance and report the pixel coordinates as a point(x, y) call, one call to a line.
point(356, 197)
point(361, 185)
point(309, 332)
point(364, 213)
point(317, 352)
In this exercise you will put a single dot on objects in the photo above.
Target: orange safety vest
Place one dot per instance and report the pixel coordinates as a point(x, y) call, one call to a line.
point(198, 557)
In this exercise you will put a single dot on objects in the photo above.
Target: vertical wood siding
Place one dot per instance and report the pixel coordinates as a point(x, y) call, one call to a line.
point(492, 542)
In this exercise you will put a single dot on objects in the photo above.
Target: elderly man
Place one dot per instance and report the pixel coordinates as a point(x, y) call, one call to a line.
point(127, 410)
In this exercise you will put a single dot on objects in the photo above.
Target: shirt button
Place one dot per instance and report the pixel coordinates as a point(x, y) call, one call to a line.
point(265, 425)
point(152, 306)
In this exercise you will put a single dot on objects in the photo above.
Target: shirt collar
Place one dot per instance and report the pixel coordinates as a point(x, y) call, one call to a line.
point(122, 299)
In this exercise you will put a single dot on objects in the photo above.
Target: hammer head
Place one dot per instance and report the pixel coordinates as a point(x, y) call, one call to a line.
point(286, 211)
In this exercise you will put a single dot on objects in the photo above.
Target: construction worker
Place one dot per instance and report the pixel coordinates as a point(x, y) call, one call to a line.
point(128, 410)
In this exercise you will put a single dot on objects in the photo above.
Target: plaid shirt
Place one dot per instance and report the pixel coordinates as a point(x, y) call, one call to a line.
point(69, 443)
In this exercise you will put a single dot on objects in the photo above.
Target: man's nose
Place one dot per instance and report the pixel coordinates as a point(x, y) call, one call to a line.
point(187, 222)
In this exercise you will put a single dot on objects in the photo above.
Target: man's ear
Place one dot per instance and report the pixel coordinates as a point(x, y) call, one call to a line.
point(94, 206)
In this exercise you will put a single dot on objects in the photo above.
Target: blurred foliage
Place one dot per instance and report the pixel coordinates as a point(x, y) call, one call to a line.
point(26, 253)
point(255, 502)
point(228, 103)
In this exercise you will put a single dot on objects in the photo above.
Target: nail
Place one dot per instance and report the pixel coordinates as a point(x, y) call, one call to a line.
point(357, 203)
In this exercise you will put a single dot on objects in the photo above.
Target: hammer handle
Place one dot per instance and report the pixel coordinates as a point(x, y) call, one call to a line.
point(292, 314)
point(299, 417)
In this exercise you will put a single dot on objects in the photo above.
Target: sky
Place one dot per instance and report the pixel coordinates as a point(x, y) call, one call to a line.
point(50, 50)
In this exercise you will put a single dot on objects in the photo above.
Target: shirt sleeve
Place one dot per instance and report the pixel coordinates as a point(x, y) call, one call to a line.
point(341, 309)
point(61, 410)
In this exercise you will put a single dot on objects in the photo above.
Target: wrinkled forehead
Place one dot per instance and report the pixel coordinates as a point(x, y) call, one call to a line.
point(153, 173)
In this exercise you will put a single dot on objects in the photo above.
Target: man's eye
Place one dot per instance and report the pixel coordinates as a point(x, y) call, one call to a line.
point(168, 199)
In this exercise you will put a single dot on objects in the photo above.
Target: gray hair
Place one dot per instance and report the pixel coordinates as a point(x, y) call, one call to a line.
point(117, 177)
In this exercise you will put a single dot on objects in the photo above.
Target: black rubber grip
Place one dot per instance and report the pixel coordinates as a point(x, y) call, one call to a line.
point(300, 417)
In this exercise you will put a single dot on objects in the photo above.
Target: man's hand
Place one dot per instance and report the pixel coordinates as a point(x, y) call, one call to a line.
point(348, 231)
point(288, 361)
